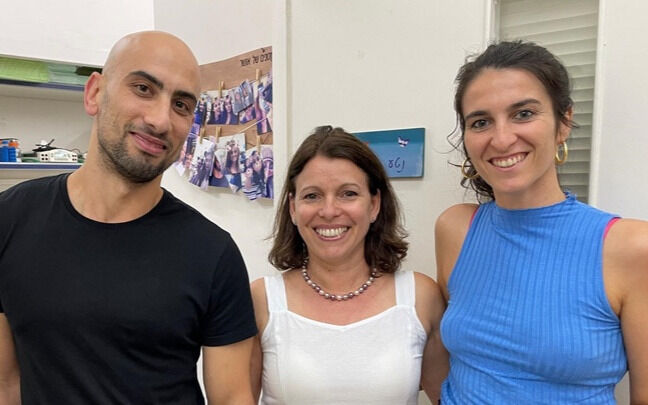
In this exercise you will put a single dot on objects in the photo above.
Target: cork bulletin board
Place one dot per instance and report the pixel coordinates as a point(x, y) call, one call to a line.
point(229, 73)
point(230, 141)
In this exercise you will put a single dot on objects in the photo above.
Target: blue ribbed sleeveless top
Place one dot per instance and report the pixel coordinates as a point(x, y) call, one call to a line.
point(528, 320)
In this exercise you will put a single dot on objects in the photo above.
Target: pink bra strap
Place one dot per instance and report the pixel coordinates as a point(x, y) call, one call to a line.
point(609, 225)
point(473, 216)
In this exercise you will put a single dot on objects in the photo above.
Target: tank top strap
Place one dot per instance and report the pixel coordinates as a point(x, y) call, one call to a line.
point(405, 288)
point(275, 293)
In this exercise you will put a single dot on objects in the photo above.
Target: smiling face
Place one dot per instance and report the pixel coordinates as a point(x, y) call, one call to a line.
point(511, 136)
point(333, 209)
point(143, 104)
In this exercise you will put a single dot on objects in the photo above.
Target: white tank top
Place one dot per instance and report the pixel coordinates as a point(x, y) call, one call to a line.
point(373, 361)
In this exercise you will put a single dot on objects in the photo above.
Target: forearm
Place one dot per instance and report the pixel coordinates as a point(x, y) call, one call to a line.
point(227, 373)
point(256, 369)
point(243, 399)
point(10, 391)
point(435, 368)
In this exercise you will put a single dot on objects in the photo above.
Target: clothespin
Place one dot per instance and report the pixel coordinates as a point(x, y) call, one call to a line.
point(258, 74)
point(258, 144)
point(218, 132)
point(201, 135)
point(220, 89)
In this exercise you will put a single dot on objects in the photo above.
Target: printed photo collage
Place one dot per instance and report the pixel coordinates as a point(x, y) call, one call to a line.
point(225, 161)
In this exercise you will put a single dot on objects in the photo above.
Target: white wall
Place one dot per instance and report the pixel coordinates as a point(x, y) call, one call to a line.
point(44, 115)
point(622, 100)
point(360, 70)
point(217, 31)
point(75, 31)
point(385, 64)
point(620, 147)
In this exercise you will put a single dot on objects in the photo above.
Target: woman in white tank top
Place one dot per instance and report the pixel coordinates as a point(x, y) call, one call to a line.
point(341, 326)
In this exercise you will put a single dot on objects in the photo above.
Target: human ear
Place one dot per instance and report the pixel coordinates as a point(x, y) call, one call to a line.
point(563, 128)
point(375, 205)
point(91, 94)
point(291, 208)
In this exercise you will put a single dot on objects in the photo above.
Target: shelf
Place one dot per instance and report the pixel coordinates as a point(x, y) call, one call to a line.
point(14, 173)
point(39, 166)
point(48, 91)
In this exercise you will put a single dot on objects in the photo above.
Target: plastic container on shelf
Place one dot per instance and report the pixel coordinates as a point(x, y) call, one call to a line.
point(9, 150)
point(14, 151)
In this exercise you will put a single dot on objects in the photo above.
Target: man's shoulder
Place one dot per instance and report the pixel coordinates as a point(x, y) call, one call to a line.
point(189, 218)
point(34, 190)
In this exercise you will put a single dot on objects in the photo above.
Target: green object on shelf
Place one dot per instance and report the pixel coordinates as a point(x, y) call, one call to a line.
point(48, 73)
point(67, 74)
point(25, 70)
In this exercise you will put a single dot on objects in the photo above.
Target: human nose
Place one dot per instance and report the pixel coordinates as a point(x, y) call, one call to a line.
point(503, 136)
point(158, 115)
point(329, 208)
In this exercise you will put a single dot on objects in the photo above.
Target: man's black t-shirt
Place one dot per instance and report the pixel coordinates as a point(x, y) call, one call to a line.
point(115, 313)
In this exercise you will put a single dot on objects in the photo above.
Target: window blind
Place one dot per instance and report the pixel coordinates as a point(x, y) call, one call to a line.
point(569, 30)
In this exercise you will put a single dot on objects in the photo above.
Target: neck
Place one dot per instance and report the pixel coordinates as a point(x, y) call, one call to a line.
point(546, 192)
point(105, 196)
point(338, 278)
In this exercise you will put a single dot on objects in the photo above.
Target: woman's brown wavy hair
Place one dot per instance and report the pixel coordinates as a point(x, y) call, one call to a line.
point(385, 246)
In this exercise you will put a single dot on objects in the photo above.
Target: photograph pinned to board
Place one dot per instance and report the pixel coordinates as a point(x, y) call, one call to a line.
point(219, 108)
point(234, 149)
point(258, 176)
point(214, 108)
point(242, 97)
point(252, 176)
point(200, 113)
point(267, 161)
point(401, 151)
point(202, 163)
point(247, 115)
point(263, 103)
point(217, 176)
point(247, 93)
point(186, 154)
point(229, 117)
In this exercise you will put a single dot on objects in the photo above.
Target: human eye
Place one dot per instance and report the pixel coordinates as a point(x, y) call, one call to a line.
point(479, 124)
point(182, 107)
point(310, 197)
point(142, 89)
point(349, 193)
point(524, 115)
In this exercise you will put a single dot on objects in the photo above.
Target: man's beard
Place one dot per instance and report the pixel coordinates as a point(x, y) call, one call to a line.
point(115, 155)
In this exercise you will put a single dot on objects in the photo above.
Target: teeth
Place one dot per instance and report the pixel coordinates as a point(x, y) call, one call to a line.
point(330, 233)
point(508, 162)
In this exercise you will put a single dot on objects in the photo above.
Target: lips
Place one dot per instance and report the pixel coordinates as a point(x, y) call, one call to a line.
point(149, 144)
point(508, 161)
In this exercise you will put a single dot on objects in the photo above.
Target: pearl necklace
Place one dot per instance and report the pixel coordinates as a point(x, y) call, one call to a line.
point(334, 297)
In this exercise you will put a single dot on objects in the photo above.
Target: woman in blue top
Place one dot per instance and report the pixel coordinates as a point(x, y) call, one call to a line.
point(547, 297)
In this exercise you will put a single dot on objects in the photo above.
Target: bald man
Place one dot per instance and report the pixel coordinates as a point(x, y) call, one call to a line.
point(100, 302)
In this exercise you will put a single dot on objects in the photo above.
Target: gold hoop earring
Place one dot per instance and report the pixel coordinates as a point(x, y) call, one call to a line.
point(464, 172)
point(565, 153)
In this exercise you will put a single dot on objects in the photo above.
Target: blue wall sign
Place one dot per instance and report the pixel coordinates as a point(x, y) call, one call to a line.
point(401, 151)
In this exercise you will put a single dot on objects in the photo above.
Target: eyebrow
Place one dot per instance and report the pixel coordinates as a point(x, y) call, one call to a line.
point(523, 103)
point(518, 104)
point(158, 83)
point(312, 187)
